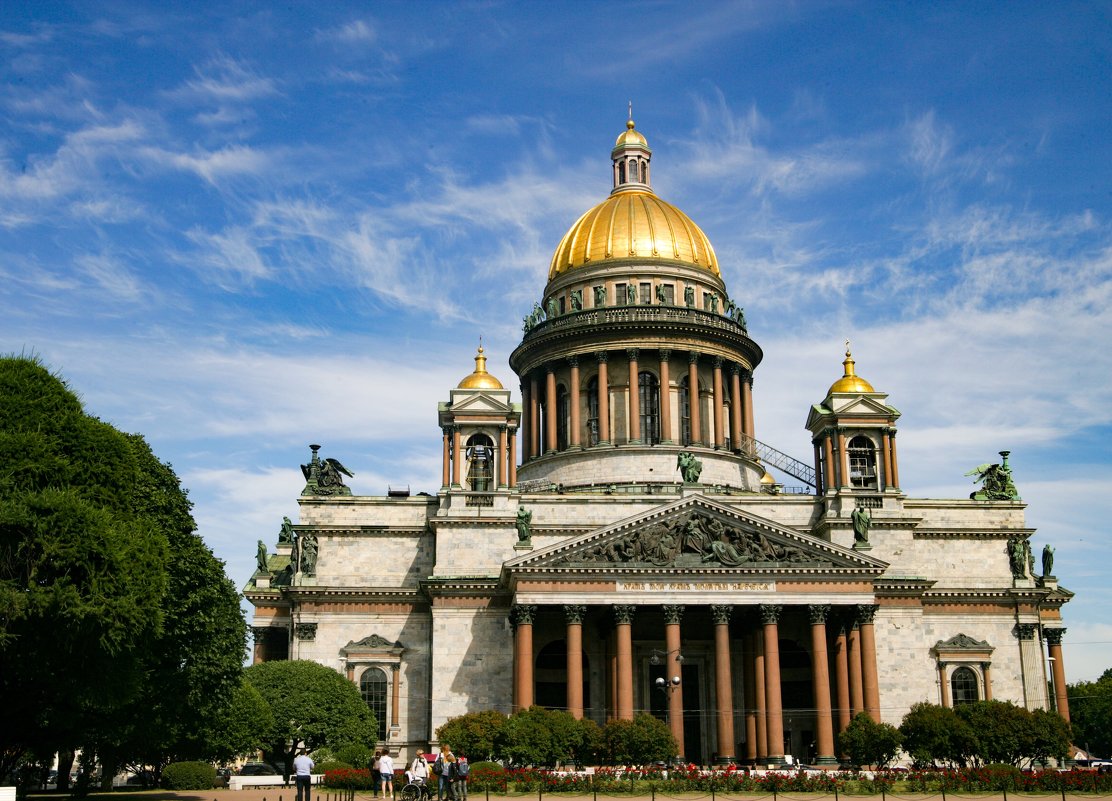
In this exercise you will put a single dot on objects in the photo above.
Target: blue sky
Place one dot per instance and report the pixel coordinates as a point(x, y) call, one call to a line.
point(241, 228)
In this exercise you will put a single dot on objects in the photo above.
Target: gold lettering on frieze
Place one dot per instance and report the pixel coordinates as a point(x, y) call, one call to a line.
point(696, 586)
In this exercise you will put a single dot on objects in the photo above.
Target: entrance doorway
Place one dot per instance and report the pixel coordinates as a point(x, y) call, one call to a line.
point(691, 748)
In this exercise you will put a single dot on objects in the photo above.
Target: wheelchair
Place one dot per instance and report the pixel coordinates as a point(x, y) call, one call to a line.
point(416, 790)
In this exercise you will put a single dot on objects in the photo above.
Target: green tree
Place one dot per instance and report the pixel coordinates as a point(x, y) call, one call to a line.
point(1001, 731)
point(1091, 713)
point(539, 736)
point(642, 740)
point(313, 704)
point(867, 742)
point(242, 727)
point(933, 734)
point(1048, 737)
point(83, 565)
point(473, 734)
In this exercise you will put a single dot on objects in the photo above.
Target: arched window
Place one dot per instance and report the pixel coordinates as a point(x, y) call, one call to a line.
point(621, 172)
point(480, 463)
point(862, 463)
point(592, 411)
point(563, 418)
point(685, 412)
point(963, 686)
point(374, 689)
point(649, 396)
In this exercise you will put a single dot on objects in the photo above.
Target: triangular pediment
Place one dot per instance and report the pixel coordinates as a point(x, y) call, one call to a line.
point(695, 533)
point(479, 403)
point(863, 406)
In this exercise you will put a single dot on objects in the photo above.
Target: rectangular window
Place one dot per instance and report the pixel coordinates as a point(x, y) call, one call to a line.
point(646, 294)
point(620, 294)
point(669, 293)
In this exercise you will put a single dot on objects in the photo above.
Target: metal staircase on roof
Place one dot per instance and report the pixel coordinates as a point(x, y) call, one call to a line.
point(780, 460)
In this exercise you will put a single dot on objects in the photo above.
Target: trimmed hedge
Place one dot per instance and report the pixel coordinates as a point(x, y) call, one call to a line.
point(189, 776)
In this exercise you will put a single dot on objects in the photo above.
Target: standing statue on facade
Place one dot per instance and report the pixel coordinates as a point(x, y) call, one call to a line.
point(862, 519)
point(524, 522)
point(1019, 556)
point(661, 295)
point(996, 481)
point(308, 555)
point(690, 468)
point(600, 296)
point(631, 295)
point(689, 297)
point(577, 300)
point(1048, 560)
point(285, 534)
point(550, 309)
point(261, 558)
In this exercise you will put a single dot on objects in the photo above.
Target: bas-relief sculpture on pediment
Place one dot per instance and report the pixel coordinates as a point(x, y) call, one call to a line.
point(695, 539)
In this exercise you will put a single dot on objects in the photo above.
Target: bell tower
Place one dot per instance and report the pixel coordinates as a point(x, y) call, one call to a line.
point(479, 425)
point(853, 432)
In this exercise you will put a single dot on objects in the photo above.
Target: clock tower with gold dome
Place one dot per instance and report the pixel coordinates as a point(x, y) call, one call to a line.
point(615, 544)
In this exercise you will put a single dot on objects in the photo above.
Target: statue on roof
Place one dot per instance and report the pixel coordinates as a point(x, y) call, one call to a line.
point(325, 476)
point(996, 481)
point(1019, 556)
point(1048, 560)
point(285, 534)
point(861, 521)
point(690, 467)
point(689, 296)
point(261, 558)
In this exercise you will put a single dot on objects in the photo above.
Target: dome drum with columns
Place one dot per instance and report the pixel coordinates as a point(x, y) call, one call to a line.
point(620, 525)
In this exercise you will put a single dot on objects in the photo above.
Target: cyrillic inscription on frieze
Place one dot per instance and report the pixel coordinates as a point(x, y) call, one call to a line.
point(696, 586)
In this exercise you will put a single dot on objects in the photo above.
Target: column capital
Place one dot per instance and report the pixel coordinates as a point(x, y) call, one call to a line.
point(720, 614)
point(549, 369)
point(396, 668)
point(718, 362)
point(819, 613)
point(1025, 631)
point(523, 614)
point(672, 613)
point(260, 633)
point(770, 613)
point(735, 369)
point(633, 353)
point(602, 356)
point(864, 614)
point(503, 427)
point(665, 354)
point(575, 613)
point(1054, 636)
point(623, 614)
point(573, 361)
point(306, 631)
point(693, 357)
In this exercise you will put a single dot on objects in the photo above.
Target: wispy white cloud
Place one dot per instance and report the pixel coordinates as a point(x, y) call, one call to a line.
point(355, 32)
point(212, 165)
point(224, 80)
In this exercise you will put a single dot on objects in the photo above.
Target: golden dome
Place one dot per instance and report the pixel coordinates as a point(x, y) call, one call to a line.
point(631, 137)
point(633, 224)
point(767, 479)
point(480, 379)
point(850, 381)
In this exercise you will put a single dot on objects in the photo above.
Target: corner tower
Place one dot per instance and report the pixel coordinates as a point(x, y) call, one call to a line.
point(635, 352)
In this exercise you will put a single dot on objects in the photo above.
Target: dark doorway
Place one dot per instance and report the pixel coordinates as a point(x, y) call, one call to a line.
point(690, 676)
point(551, 677)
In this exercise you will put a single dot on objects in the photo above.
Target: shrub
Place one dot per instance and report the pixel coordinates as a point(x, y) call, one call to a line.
point(348, 779)
point(333, 764)
point(189, 776)
point(355, 755)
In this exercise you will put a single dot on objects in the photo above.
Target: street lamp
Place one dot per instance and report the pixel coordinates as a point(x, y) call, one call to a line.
point(655, 659)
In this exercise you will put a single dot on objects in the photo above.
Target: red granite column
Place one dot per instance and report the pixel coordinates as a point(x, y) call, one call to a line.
point(523, 656)
point(748, 419)
point(750, 698)
point(723, 682)
point(943, 684)
point(895, 461)
point(504, 462)
point(830, 481)
point(736, 434)
point(762, 707)
point(820, 678)
point(526, 414)
point(603, 400)
point(511, 456)
point(693, 397)
point(1058, 670)
point(395, 698)
point(550, 412)
point(718, 407)
point(856, 686)
point(447, 458)
point(534, 420)
point(623, 620)
point(870, 678)
point(665, 398)
point(634, 398)
point(672, 668)
point(457, 458)
point(575, 614)
point(985, 668)
point(573, 401)
point(841, 678)
point(770, 615)
point(887, 447)
point(843, 462)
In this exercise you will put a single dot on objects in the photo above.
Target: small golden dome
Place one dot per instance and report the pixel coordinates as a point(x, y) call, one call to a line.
point(850, 381)
point(480, 379)
point(630, 137)
point(767, 479)
point(633, 224)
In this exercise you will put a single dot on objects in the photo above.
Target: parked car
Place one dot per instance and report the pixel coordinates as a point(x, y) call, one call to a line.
point(258, 769)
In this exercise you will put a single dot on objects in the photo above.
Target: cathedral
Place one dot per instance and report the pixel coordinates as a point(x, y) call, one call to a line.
point(615, 543)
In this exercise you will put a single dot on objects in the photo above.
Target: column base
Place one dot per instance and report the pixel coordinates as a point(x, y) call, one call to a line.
point(725, 760)
point(827, 761)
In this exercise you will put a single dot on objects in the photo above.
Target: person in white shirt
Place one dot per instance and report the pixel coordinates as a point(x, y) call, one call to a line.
point(386, 770)
point(419, 772)
point(303, 767)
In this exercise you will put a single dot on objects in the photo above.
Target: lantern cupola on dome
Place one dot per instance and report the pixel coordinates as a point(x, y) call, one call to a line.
point(480, 379)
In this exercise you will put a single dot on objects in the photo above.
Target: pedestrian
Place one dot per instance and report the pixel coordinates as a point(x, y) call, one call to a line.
point(443, 768)
point(419, 770)
point(462, 769)
point(303, 768)
point(376, 776)
point(386, 771)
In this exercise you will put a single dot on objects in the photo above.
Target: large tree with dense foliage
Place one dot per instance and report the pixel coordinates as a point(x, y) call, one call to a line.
point(313, 705)
point(867, 742)
point(935, 734)
point(640, 741)
point(539, 736)
point(121, 632)
point(1001, 732)
point(83, 565)
point(474, 735)
point(1091, 714)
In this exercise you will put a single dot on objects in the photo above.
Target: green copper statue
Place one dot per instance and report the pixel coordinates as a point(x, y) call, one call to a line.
point(690, 468)
point(861, 521)
point(1048, 560)
point(996, 481)
point(524, 522)
point(261, 558)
